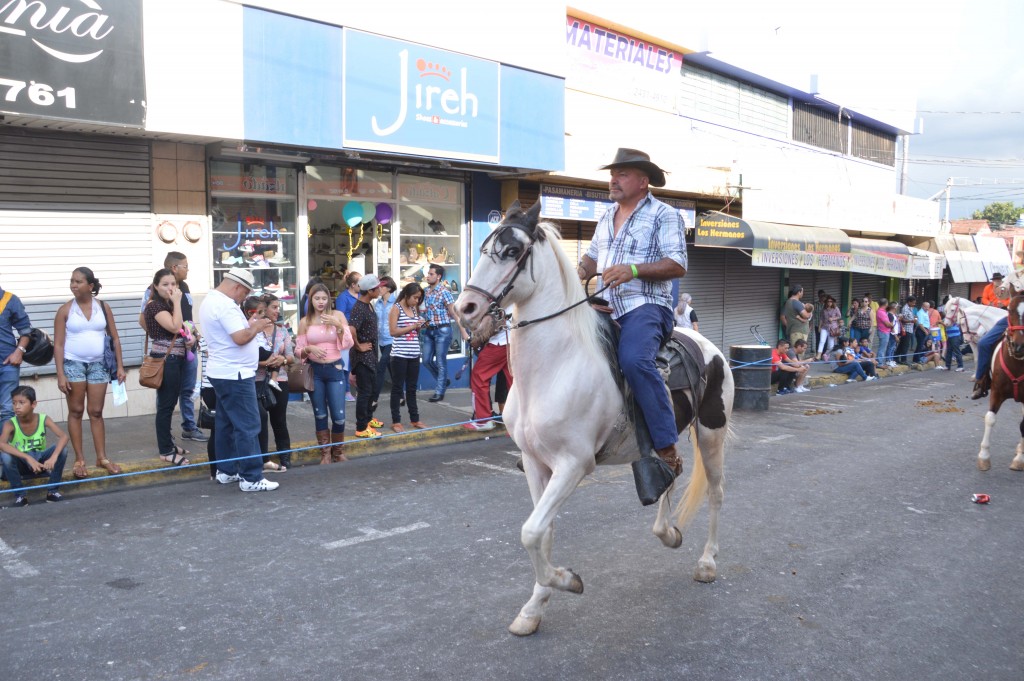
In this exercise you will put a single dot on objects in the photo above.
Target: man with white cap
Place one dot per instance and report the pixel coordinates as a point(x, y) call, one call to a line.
point(363, 356)
point(234, 355)
point(638, 248)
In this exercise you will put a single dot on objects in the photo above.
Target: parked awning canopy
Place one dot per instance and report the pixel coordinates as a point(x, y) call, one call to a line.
point(875, 256)
point(925, 264)
point(776, 245)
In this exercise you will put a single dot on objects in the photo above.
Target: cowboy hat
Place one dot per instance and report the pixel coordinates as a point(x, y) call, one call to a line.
point(634, 158)
point(997, 275)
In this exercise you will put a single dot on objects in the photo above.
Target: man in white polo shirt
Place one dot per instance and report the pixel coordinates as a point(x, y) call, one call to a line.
point(234, 354)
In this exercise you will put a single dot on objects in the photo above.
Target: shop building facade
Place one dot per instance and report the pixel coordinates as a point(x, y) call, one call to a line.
point(296, 146)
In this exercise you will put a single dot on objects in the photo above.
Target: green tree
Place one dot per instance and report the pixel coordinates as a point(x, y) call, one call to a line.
point(999, 213)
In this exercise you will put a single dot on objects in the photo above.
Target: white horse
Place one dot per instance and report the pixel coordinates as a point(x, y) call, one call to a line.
point(974, 319)
point(565, 410)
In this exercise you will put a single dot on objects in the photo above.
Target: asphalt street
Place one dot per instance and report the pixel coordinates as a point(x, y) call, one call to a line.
point(850, 549)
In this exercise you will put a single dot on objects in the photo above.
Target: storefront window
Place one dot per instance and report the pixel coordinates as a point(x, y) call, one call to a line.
point(349, 213)
point(254, 217)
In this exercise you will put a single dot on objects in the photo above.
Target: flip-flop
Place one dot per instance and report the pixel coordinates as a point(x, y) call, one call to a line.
point(109, 465)
point(397, 427)
point(80, 471)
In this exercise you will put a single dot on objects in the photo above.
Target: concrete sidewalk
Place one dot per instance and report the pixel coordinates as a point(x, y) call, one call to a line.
point(131, 443)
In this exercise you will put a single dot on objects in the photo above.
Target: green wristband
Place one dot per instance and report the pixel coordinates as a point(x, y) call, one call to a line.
point(636, 275)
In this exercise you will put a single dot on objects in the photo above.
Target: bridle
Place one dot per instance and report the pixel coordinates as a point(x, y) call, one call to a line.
point(494, 309)
point(960, 317)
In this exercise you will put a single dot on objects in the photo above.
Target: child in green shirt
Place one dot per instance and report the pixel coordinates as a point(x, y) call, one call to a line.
point(23, 449)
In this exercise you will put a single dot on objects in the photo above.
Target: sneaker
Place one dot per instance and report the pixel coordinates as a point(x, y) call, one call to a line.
point(892, 364)
point(851, 380)
point(20, 500)
point(368, 433)
point(374, 423)
point(783, 391)
point(435, 398)
point(224, 478)
point(484, 425)
point(349, 397)
point(960, 369)
point(54, 496)
point(801, 389)
point(261, 485)
point(941, 368)
point(197, 435)
point(871, 378)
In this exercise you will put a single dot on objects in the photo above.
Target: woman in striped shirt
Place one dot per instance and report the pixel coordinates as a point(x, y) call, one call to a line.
point(405, 322)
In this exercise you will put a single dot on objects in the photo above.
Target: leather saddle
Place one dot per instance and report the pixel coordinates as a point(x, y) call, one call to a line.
point(681, 364)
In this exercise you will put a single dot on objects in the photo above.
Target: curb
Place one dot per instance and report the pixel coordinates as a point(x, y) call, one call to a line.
point(142, 474)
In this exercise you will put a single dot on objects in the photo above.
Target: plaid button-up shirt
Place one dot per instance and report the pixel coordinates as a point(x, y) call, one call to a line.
point(436, 300)
point(654, 231)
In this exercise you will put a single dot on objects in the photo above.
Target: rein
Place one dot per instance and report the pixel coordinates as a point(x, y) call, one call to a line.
point(1015, 380)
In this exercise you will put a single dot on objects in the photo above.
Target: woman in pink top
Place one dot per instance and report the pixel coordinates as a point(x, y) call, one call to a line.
point(884, 330)
point(323, 334)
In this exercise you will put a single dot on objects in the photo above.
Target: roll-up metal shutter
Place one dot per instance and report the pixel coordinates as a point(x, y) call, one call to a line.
point(868, 283)
point(54, 171)
point(705, 281)
point(958, 290)
point(829, 282)
point(751, 299)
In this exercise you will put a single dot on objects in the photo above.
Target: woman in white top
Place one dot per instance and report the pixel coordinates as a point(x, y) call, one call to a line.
point(80, 332)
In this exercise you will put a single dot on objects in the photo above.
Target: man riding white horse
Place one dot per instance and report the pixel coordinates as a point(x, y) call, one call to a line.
point(639, 248)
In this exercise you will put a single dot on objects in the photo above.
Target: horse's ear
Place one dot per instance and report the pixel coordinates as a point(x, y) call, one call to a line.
point(514, 207)
point(533, 215)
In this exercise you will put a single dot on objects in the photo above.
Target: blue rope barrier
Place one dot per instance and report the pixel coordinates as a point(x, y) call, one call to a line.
point(65, 483)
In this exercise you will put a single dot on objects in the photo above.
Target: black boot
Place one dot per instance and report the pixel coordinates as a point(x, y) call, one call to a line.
point(981, 387)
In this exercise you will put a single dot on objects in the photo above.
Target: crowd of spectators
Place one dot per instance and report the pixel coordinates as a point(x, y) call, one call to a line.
point(237, 355)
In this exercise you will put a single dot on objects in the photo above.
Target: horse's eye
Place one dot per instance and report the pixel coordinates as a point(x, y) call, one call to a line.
point(511, 252)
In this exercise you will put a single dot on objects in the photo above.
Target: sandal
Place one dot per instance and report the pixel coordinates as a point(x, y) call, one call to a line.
point(80, 471)
point(177, 457)
point(418, 424)
point(397, 427)
point(109, 465)
point(271, 466)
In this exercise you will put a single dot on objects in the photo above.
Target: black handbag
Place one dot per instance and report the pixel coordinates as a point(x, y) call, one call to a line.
point(207, 416)
point(264, 395)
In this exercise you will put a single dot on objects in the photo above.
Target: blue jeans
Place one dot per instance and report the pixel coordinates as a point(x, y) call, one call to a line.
point(188, 386)
point(9, 377)
point(15, 468)
point(953, 351)
point(860, 334)
point(883, 346)
point(328, 396)
point(851, 369)
point(643, 331)
point(436, 340)
point(237, 428)
point(166, 398)
point(987, 345)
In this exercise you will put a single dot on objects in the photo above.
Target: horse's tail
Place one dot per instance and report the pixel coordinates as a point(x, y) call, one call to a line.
point(696, 488)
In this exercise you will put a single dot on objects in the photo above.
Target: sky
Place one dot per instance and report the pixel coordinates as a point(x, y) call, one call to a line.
point(950, 69)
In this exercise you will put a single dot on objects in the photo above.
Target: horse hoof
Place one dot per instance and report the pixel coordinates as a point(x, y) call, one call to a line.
point(705, 573)
point(677, 538)
point(984, 464)
point(524, 626)
point(575, 585)
point(1017, 465)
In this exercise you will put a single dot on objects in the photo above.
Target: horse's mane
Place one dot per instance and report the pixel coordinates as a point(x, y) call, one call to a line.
point(583, 321)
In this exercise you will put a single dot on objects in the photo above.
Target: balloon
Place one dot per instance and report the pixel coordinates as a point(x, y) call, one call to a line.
point(352, 213)
point(311, 204)
point(383, 212)
point(368, 211)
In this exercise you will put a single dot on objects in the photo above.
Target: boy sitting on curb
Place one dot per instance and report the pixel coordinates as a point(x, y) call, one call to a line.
point(23, 447)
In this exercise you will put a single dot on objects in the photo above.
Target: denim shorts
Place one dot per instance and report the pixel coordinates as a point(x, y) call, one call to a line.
point(93, 372)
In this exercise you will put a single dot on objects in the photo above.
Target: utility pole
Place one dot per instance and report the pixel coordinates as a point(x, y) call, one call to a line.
point(968, 182)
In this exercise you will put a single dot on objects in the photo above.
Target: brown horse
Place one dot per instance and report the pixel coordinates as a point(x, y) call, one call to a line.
point(1007, 382)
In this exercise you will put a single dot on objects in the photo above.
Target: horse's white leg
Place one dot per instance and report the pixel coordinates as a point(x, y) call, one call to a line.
point(983, 454)
point(549, 492)
point(1018, 461)
point(712, 448)
point(663, 529)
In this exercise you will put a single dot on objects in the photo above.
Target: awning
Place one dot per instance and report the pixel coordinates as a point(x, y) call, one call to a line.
point(776, 245)
point(995, 256)
point(875, 256)
point(966, 267)
point(925, 264)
